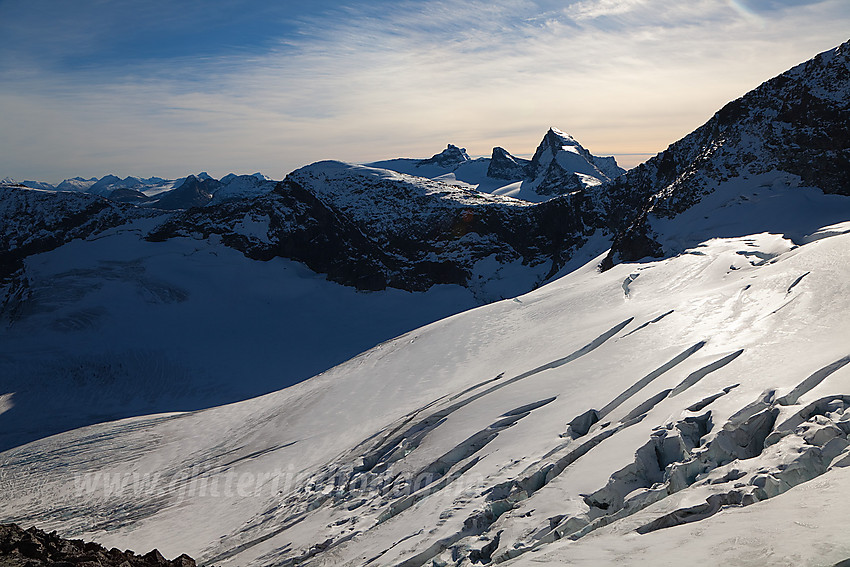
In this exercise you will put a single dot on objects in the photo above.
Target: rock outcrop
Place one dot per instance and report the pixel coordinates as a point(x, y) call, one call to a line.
point(449, 158)
point(505, 166)
point(36, 548)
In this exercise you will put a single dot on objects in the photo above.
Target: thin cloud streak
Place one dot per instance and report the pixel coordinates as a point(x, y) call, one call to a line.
point(624, 76)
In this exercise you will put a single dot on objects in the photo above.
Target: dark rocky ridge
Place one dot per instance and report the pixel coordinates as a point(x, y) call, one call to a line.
point(437, 245)
point(795, 123)
point(36, 548)
point(300, 228)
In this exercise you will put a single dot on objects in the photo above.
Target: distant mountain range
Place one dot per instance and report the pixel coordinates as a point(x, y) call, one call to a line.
point(559, 166)
point(159, 193)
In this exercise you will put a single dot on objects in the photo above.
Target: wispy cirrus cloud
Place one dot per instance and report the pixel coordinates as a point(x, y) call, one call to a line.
point(360, 81)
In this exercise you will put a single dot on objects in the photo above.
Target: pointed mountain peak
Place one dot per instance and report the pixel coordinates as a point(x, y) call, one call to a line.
point(562, 165)
point(556, 140)
point(559, 138)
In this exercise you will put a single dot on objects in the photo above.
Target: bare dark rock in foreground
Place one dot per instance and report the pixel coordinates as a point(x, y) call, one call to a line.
point(36, 548)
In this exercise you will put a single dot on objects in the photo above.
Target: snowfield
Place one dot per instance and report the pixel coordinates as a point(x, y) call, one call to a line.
point(719, 380)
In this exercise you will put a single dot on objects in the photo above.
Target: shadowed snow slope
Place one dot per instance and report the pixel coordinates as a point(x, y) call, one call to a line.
point(114, 326)
point(111, 310)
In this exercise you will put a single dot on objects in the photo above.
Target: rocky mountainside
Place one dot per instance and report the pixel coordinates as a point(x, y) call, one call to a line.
point(795, 123)
point(36, 221)
point(373, 229)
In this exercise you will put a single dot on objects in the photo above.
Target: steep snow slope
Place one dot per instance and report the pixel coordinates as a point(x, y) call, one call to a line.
point(719, 374)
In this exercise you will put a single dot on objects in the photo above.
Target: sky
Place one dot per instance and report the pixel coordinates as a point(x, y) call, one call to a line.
point(171, 87)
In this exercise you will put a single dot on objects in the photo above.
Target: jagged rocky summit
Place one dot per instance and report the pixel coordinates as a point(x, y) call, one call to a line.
point(562, 165)
point(505, 166)
point(450, 158)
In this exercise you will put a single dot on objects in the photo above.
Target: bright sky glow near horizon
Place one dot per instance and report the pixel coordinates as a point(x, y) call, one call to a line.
point(167, 88)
